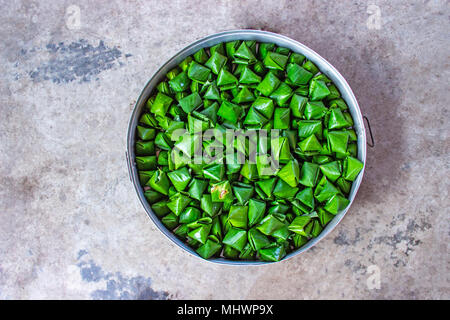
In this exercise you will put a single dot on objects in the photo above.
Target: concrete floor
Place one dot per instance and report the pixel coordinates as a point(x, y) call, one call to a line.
point(71, 226)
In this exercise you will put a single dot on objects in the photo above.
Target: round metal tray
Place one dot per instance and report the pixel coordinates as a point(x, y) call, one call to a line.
point(260, 36)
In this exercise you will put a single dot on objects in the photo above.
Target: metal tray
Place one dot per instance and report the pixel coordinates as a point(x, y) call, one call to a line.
point(260, 36)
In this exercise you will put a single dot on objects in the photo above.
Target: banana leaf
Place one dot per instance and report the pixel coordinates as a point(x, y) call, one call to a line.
point(297, 105)
point(148, 120)
point(256, 210)
point(325, 190)
point(265, 48)
point(163, 142)
point(236, 238)
point(245, 54)
point(173, 73)
point(209, 249)
point(274, 60)
point(247, 76)
point(229, 111)
point(336, 204)
point(178, 202)
point(190, 214)
point(198, 72)
point(216, 62)
point(181, 231)
point(283, 233)
point(310, 144)
point(296, 58)
point(264, 106)
point(146, 162)
point(311, 67)
point(348, 117)
point(269, 84)
point(309, 174)
point(306, 198)
point(302, 90)
point(267, 186)
point(216, 228)
point(315, 110)
point(282, 94)
point(298, 75)
point(211, 112)
point(337, 141)
point(257, 239)
point(243, 192)
point(225, 77)
point(200, 222)
point(230, 253)
point(160, 208)
point(309, 127)
point(159, 182)
point(231, 47)
point(291, 135)
point(201, 233)
point(197, 188)
point(352, 167)
point(269, 224)
point(298, 225)
point(324, 216)
point(145, 148)
point(334, 92)
point(318, 90)
point(212, 92)
point(238, 216)
point(191, 102)
point(316, 229)
point(299, 240)
point(218, 48)
point(344, 185)
point(201, 56)
point(163, 87)
point(244, 96)
point(180, 178)
point(233, 166)
point(279, 209)
point(280, 149)
point(272, 253)
point(146, 133)
point(180, 83)
point(259, 68)
point(221, 192)
point(163, 158)
point(184, 65)
point(170, 221)
point(332, 170)
point(161, 104)
point(144, 176)
point(282, 118)
point(208, 206)
point(338, 103)
point(290, 173)
point(214, 172)
point(254, 119)
point(249, 171)
point(337, 120)
point(247, 253)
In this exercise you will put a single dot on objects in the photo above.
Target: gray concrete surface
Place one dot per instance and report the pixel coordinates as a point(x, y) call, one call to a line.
point(71, 225)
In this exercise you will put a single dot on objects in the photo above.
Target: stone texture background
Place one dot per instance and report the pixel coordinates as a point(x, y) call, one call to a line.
point(71, 225)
